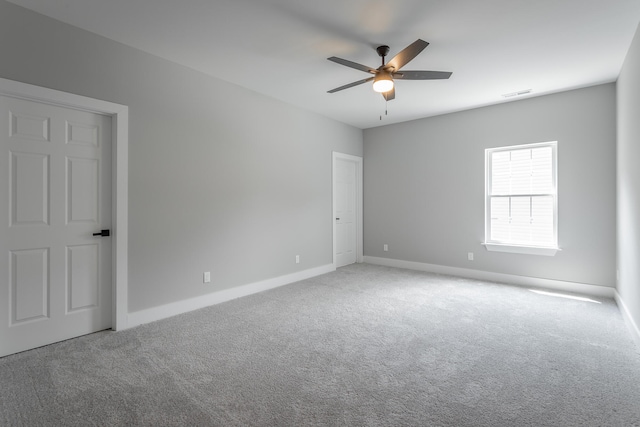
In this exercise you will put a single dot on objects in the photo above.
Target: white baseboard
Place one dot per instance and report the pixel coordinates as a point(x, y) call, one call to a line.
point(628, 319)
point(179, 307)
point(512, 279)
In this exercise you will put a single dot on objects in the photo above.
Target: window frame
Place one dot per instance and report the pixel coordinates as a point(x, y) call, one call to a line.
point(513, 247)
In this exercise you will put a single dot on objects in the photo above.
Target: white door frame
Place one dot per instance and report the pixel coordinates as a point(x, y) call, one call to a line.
point(120, 176)
point(359, 199)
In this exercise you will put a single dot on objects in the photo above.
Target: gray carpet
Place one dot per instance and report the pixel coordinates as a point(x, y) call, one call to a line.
point(364, 346)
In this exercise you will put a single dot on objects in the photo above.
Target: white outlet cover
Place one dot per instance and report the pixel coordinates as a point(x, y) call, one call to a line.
point(207, 277)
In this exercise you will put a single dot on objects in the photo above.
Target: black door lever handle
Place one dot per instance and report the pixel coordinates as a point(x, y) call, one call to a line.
point(103, 233)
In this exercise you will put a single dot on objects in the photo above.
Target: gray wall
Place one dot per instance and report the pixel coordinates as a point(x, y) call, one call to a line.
point(424, 185)
point(221, 179)
point(628, 180)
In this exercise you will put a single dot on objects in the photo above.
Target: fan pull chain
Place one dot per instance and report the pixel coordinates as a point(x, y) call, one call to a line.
point(386, 112)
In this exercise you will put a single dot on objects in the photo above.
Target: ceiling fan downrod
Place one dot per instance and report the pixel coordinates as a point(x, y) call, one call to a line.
point(383, 51)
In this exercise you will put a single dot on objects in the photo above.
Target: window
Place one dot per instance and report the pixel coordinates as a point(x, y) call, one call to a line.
point(521, 199)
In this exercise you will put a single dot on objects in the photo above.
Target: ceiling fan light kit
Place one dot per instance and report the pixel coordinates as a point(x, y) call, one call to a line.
point(385, 73)
point(383, 82)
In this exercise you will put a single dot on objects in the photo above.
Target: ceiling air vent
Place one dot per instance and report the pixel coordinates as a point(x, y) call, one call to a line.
point(518, 93)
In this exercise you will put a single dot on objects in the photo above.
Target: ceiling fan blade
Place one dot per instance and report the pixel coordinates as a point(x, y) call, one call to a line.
point(407, 54)
point(422, 75)
point(359, 82)
point(352, 64)
point(388, 96)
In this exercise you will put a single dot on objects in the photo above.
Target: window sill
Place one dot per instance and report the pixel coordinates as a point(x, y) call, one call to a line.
point(515, 249)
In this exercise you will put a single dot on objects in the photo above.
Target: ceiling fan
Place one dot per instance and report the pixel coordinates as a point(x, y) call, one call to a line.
point(383, 75)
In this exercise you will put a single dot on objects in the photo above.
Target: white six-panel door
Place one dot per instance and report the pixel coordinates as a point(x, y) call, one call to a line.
point(345, 211)
point(55, 193)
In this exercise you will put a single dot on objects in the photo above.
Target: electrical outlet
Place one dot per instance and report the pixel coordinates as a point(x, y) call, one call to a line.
point(385, 247)
point(297, 259)
point(470, 256)
point(207, 277)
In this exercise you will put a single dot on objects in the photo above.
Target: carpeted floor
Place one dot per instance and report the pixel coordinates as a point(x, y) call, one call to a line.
point(363, 346)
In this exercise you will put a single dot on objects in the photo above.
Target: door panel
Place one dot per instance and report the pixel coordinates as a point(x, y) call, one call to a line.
point(83, 283)
point(29, 285)
point(82, 194)
point(29, 187)
point(57, 162)
point(29, 127)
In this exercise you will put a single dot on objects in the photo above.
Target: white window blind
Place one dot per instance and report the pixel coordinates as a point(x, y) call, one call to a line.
point(521, 195)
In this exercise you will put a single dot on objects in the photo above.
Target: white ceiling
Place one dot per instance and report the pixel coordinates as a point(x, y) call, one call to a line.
point(279, 47)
